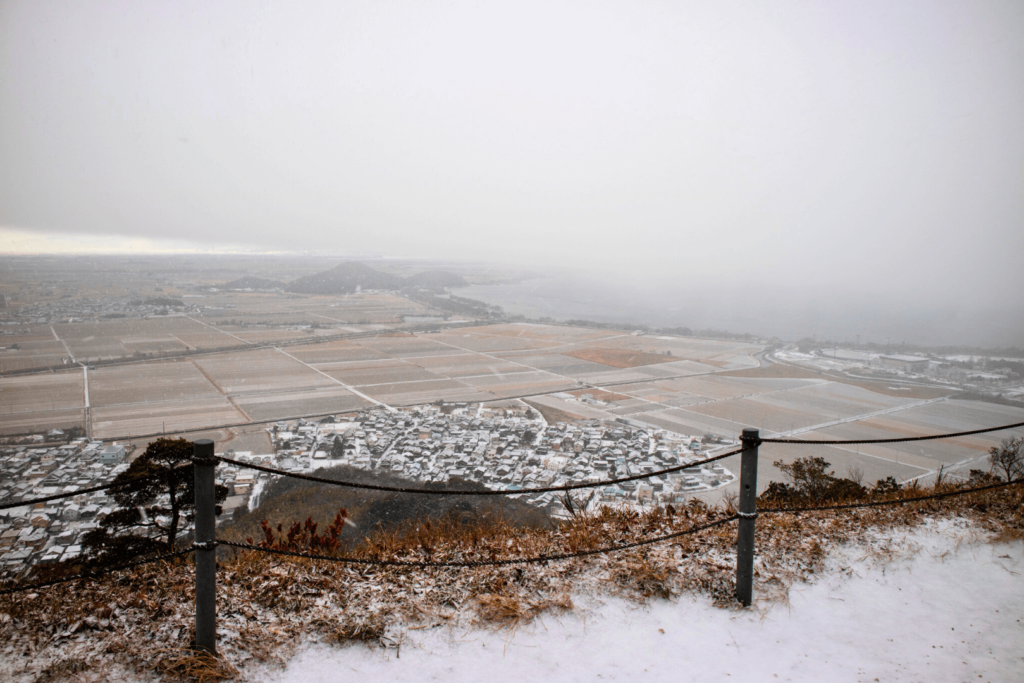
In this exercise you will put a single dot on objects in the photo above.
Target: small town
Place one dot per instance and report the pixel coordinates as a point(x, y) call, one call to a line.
point(506, 448)
point(50, 532)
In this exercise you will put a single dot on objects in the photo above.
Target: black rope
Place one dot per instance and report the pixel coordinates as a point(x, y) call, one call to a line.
point(57, 496)
point(897, 501)
point(478, 563)
point(96, 573)
point(835, 442)
point(467, 492)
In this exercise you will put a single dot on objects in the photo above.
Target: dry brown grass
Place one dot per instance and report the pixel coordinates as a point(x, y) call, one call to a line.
point(141, 619)
point(601, 395)
point(553, 415)
point(511, 610)
point(199, 666)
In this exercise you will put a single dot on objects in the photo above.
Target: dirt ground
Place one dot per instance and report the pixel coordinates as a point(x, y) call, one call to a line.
point(619, 358)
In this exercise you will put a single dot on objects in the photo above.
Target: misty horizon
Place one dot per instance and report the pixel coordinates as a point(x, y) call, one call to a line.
point(777, 168)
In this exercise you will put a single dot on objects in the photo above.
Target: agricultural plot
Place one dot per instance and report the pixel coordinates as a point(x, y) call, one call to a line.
point(482, 343)
point(558, 364)
point(932, 418)
point(52, 391)
point(658, 392)
point(413, 393)
point(259, 336)
point(34, 422)
point(226, 320)
point(383, 372)
point(548, 333)
point(259, 371)
point(799, 407)
point(281, 405)
point(675, 369)
point(754, 413)
point(711, 387)
point(153, 345)
point(618, 357)
point(407, 346)
point(31, 353)
point(519, 384)
point(146, 383)
point(723, 355)
point(467, 365)
point(153, 418)
point(114, 328)
point(91, 349)
point(41, 402)
point(335, 352)
point(688, 422)
point(839, 400)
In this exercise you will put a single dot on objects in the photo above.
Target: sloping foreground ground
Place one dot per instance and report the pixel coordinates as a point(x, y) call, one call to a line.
point(873, 588)
point(937, 604)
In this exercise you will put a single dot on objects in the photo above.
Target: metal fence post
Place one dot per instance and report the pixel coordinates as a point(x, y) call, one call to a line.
point(748, 513)
point(206, 558)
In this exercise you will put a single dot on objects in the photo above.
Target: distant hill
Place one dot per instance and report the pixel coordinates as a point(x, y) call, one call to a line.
point(347, 277)
point(250, 282)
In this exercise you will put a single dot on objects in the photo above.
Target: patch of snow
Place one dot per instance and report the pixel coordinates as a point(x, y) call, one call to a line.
point(943, 608)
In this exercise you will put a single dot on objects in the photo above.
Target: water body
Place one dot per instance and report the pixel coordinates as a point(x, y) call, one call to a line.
point(789, 314)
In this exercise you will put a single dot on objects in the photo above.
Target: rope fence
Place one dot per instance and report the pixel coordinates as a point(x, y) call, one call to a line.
point(895, 501)
point(905, 439)
point(95, 574)
point(204, 546)
point(210, 545)
point(481, 563)
point(476, 492)
point(58, 496)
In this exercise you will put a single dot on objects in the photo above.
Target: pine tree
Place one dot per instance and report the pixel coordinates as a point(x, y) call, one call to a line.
point(155, 499)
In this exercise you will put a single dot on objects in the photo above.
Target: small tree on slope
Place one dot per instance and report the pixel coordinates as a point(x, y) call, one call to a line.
point(1007, 458)
point(155, 499)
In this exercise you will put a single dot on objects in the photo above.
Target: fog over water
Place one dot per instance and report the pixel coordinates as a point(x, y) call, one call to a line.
point(784, 168)
point(789, 315)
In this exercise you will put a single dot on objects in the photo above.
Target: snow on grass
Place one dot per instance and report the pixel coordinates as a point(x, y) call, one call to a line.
point(940, 604)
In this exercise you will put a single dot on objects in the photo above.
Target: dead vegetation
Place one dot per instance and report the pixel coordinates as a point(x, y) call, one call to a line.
point(553, 415)
point(140, 621)
point(619, 358)
point(600, 395)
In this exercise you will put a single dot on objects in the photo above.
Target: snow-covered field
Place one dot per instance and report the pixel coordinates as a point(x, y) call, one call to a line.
point(941, 605)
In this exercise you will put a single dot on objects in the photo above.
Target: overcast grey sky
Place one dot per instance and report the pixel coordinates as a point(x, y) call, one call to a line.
point(838, 145)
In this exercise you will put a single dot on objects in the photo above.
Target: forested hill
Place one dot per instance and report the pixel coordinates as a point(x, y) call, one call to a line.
point(293, 500)
point(350, 276)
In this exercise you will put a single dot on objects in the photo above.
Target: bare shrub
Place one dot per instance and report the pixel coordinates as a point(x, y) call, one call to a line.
point(368, 629)
point(195, 666)
point(1007, 459)
point(508, 609)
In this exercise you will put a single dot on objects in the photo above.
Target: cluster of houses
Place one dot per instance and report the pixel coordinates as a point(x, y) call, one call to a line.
point(975, 374)
point(510, 448)
point(93, 309)
point(52, 531)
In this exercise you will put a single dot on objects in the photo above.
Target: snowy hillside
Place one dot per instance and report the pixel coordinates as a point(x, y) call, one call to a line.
point(936, 604)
